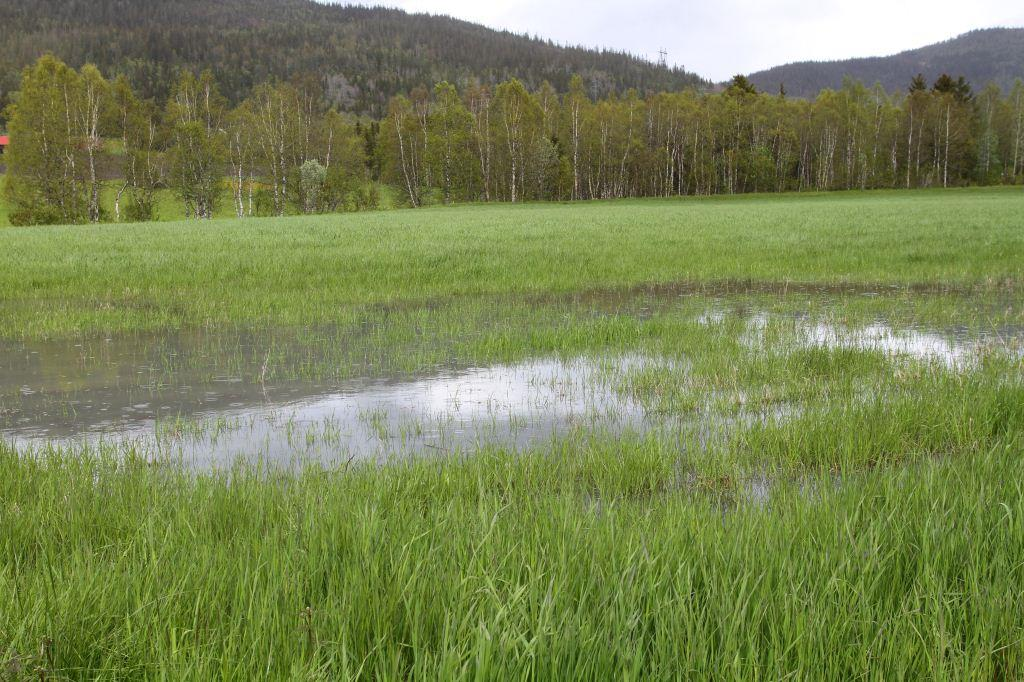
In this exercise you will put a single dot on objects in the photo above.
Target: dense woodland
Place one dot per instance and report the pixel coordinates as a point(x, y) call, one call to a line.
point(994, 55)
point(361, 56)
point(284, 149)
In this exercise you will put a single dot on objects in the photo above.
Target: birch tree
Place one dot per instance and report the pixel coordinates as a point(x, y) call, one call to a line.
point(93, 95)
point(517, 118)
point(449, 151)
point(478, 103)
point(195, 118)
point(142, 161)
point(273, 113)
point(45, 183)
point(401, 148)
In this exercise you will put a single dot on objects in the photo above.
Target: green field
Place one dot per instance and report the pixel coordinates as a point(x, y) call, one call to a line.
point(826, 481)
point(300, 270)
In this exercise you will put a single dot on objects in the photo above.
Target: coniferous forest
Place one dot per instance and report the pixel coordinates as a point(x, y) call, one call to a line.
point(362, 56)
point(981, 56)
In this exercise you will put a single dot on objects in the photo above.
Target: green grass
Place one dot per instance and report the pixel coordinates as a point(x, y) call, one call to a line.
point(595, 559)
point(89, 280)
point(822, 512)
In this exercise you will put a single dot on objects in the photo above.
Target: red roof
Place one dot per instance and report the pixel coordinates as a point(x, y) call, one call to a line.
point(4, 140)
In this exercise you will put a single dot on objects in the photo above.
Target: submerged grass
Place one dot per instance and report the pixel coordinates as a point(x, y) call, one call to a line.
point(874, 531)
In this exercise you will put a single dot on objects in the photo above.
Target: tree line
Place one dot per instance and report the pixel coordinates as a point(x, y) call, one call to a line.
point(509, 144)
point(281, 149)
point(284, 150)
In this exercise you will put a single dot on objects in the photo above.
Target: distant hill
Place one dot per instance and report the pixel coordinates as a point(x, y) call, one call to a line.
point(362, 55)
point(995, 55)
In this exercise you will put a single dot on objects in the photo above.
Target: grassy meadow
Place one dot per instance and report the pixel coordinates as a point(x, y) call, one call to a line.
point(819, 502)
point(89, 280)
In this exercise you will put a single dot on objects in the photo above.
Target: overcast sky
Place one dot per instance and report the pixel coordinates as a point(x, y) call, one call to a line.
point(719, 38)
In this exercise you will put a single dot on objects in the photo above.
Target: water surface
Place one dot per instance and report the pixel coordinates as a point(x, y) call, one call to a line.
point(209, 398)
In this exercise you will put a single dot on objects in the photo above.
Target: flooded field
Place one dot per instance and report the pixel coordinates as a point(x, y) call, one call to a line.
point(330, 395)
point(734, 438)
point(454, 411)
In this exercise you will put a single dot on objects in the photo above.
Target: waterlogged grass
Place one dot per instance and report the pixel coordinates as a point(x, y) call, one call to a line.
point(64, 281)
point(840, 494)
point(870, 525)
point(408, 339)
point(596, 559)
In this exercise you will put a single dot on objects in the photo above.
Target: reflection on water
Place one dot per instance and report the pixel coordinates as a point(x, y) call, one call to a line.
point(913, 343)
point(955, 348)
point(209, 399)
point(512, 406)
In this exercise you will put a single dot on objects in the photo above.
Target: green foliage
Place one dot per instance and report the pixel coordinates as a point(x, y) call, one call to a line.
point(518, 119)
point(506, 144)
point(533, 145)
point(312, 176)
point(741, 85)
point(141, 207)
point(959, 88)
point(194, 116)
point(30, 210)
point(143, 162)
point(449, 150)
point(401, 146)
point(46, 181)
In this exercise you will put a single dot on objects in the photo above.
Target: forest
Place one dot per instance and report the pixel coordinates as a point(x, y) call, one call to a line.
point(363, 55)
point(981, 56)
point(284, 149)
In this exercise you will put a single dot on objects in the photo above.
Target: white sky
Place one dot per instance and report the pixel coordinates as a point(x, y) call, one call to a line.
point(719, 38)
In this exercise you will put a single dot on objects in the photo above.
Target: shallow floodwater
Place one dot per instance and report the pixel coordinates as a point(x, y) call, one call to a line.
point(955, 348)
point(451, 411)
point(210, 399)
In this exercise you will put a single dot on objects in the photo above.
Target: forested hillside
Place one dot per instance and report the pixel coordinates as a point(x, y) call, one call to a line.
point(991, 55)
point(363, 56)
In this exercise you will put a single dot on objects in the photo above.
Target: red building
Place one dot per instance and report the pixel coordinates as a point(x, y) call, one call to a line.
point(4, 141)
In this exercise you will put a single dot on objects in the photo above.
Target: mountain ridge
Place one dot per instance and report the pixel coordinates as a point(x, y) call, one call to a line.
point(363, 55)
point(981, 56)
